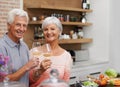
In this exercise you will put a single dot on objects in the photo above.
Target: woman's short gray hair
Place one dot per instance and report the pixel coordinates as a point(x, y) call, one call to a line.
point(16, 12)
point(52, 20)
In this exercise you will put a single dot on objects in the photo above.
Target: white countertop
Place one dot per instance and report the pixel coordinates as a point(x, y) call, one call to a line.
point(88, 63)
point(83, 68)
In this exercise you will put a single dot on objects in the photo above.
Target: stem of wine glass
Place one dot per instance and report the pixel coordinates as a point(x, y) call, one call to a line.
point(47, 52)
point(6, 80)
point(36, 51)
point(48, 47)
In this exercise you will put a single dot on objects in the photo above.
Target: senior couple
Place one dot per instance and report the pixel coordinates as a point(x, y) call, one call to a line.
point(24, 65)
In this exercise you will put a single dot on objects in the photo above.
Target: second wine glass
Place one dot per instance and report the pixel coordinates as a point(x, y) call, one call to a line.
point(46, 50)
point(36, 51)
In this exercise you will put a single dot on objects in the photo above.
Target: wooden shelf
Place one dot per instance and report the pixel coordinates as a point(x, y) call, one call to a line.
point(77, 23)
point(75, 41)
point(65, 7)
point(64, 23)
point(60, 8)
point(71, 41)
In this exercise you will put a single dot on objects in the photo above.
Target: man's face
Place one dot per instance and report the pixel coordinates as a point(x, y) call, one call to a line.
point(17, 28)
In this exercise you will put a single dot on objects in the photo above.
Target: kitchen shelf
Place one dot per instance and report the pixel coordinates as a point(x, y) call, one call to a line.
point(43, 8)
point(60, 8)
point(70, 41)
point(64, 23)
point(75, 41)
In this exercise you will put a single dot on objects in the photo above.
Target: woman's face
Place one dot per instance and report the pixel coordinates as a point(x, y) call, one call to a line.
point(51, 32)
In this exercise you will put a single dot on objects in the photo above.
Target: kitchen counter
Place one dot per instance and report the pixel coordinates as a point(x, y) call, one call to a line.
point(88, 63)
point(109, 86)
point(81, 69)
point(99, 86)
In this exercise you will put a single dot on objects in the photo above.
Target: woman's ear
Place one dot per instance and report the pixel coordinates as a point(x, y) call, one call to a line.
point(60, 33)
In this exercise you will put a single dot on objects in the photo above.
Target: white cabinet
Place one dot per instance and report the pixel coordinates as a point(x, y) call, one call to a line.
point(80, 71)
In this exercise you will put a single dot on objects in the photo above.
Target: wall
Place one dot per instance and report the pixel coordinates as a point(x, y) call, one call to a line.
point(99, 31)
point(38, 12)
point(5, 6)
point(115, 34)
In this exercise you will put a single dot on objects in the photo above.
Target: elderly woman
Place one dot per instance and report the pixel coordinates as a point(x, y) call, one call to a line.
point(60, 58)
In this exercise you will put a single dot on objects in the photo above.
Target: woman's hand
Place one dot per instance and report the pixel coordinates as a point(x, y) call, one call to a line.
point(45, 64)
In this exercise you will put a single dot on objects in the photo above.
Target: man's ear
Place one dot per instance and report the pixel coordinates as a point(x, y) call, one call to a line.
point(8, 26)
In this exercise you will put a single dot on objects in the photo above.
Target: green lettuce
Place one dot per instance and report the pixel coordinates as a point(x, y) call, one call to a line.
point(89, 83)
point(111, 73)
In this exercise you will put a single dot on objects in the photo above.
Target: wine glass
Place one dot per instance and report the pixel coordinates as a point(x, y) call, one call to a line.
point(46, 50)
point(36, 51)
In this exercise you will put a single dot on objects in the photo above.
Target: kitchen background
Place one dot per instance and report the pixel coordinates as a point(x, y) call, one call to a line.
point(105, 30)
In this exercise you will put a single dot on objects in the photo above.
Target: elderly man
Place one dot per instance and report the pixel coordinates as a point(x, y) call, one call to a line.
point(11, 45)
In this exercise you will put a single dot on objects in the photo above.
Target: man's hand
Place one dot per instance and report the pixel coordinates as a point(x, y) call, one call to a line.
point(32, 63)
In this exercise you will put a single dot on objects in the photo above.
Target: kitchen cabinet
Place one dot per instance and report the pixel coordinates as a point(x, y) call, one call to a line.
point(81, 70)
point(46, 8)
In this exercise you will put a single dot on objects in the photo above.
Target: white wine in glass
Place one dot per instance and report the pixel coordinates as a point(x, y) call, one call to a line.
point(36, 49)
point(47, 54)
point(36, 53)
point(47, 50)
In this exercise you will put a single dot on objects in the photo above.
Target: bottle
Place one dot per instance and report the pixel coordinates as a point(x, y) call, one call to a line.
point(36, 33)
point(40, 33)
point(80, 33)
point(58, 16)
point(67, 18)
point(74, 36)
point(71, 34)
point(72, 54)
point(88, 4)
point(84, 4)
point(61, 18)
point(78, 84)
point(83, 19)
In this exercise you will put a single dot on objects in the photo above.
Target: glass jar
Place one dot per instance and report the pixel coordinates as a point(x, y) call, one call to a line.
point(53, 81)
point(80, 33)
point(7, 83)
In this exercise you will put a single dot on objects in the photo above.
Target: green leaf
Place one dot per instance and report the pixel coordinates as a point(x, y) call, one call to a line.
point(111, 73)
